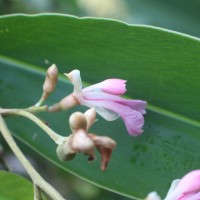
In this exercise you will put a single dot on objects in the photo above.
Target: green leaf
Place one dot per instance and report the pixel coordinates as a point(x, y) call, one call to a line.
point(14, 187)
point(161, 67)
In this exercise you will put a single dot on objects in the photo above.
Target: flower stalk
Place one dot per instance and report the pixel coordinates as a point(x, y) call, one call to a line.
point(54, 136)
point(35, 176)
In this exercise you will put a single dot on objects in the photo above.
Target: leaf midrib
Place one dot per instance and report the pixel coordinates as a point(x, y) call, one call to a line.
point(41, 71)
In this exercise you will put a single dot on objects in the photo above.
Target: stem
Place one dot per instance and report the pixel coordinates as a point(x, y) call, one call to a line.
point(35, 176)
point(36, 109)
point(37, 193)
point(58, 139)
point(41, 101)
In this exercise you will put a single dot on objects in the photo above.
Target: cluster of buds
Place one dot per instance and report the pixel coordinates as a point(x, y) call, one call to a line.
point(103, 98)
point(82, 141)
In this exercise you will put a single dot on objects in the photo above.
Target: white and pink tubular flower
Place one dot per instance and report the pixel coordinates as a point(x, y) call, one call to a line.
point(105, 97)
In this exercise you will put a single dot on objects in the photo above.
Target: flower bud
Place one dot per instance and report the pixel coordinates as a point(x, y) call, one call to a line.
point(64, 150)
point(90, 115)
point(77, 121)
point(50, 81)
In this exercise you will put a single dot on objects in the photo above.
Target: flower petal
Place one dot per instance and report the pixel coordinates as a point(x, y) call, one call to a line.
point(80, 142)
point(172, 188)
point(188, 186)
point(107, 114)
point(75, 78)
point(111, 86)
point(195, 196)
point(90, 115)
point(137, 105)
point(114, 86)
point(134, 122)
point(190, 183)
point(105, 145)
point(133, 119)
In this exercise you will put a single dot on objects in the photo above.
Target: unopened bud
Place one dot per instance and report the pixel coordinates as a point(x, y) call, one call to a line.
point(64, 150)
point(90, 115)
point(50, 81)
point(77, 121)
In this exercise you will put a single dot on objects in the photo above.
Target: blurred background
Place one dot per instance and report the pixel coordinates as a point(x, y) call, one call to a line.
point(177, 15)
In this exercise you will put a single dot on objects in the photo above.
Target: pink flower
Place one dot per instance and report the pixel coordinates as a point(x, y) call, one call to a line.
point(105, 97)
point(112, 86)
point(188, 188)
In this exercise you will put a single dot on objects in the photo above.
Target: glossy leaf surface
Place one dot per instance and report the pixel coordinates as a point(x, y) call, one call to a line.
point(161, 67)
point(14, 187)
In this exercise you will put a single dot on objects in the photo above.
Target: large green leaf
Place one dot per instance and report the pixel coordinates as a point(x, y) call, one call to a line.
point(161, 67)
point(14, 187)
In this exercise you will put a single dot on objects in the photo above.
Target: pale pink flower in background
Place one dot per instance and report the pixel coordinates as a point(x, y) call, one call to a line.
point(104, 96)
point(187, 188)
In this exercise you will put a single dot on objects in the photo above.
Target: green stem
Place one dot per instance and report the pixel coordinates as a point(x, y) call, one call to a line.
point(35, 176)
point(40, 102)
point(58, 139)
point(36, 109)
